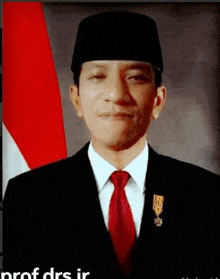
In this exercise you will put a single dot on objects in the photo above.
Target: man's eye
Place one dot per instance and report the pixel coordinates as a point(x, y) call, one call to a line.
point(98, 77)
point(139, 79)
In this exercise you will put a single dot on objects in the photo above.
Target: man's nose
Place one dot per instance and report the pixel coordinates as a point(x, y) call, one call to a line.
point(118, 91)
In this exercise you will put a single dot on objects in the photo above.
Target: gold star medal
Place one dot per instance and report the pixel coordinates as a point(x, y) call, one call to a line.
point(158, 209)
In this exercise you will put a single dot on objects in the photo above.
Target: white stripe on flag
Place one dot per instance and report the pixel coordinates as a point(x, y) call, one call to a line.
point(13, 160)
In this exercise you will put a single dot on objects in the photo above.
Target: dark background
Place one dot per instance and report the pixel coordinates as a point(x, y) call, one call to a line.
point(188, 128)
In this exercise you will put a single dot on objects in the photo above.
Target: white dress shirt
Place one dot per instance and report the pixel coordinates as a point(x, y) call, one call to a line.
point(134, 189)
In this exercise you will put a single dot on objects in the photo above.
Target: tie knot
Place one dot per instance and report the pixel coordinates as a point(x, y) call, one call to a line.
point(120, 179)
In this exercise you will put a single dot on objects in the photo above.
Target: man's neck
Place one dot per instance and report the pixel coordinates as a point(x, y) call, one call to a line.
point(120, 158)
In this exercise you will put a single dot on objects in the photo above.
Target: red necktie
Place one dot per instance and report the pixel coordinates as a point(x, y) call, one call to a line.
point(121, 224)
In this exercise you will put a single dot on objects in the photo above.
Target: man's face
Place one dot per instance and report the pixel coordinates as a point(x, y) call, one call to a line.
point(117, 100)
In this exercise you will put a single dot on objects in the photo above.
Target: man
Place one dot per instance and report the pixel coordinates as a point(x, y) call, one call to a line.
point(116, 209)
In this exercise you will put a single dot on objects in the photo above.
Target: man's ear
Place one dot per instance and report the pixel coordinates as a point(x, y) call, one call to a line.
point(159, 101)
point(75, 98)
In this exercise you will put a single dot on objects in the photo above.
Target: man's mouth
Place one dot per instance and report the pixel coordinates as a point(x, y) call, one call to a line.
point(117, 115)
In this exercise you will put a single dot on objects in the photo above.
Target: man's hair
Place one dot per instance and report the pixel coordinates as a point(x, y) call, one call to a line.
point(157, 76)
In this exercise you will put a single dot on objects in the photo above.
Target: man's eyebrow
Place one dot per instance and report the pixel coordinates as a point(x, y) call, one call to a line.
point(94, 65)
point(139, 66)
point(99, 66)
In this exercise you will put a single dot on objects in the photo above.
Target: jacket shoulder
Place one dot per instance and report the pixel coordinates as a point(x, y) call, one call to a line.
point(177, 176)
point(174, 166)
point(51, 177)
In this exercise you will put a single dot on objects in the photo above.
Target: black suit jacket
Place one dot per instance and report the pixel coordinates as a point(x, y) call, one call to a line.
point(53, 218)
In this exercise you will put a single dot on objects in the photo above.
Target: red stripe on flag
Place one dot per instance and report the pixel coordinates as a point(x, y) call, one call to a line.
point(32, 107)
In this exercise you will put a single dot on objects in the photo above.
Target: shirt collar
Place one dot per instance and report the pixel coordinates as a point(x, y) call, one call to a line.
point(138, 168)
point(102, 169)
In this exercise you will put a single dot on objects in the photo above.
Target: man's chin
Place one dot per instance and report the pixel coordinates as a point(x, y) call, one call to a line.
point(117, 141)
point(120, 144)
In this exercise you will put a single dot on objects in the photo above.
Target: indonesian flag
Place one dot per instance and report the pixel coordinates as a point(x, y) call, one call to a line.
point(33, 131)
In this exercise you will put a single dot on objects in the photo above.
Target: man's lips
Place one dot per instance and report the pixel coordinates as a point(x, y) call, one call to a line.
point(117, 115)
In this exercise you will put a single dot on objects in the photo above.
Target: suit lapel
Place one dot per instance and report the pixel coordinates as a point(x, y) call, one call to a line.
point(91, 217)
point(155, 184)
point(151, 238)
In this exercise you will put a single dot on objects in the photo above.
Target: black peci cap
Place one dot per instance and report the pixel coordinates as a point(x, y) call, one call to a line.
point(117, 36)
